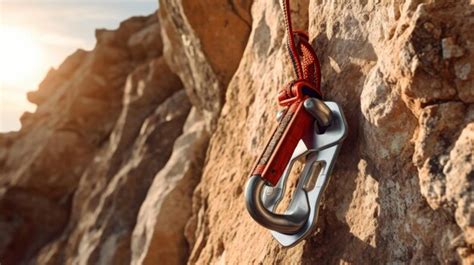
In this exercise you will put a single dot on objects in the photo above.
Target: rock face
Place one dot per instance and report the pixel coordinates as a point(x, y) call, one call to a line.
point(204, 42)
point(139, 150)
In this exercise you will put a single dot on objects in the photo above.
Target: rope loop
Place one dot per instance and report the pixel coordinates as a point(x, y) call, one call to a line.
point(303, 57)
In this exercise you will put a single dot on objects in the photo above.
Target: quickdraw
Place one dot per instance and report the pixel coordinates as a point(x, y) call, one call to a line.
point(310, 130)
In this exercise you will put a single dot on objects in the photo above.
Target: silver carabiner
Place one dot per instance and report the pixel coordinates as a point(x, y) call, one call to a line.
point(300, 218)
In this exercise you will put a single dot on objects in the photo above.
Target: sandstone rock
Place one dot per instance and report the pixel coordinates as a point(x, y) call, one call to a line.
point(54, 77)
point(146, 43)
point(451, 49)
point(78, 105)
point(126, 159)
point(29, 220)
point(112, 189)
point(122, 34)
point(125, 179)
point(375, 210)
point(438, 123)
point(462, 70)
point(388, 125)
point(220, 222)
point(459, 172)
point(203, 44)
point(158, 236)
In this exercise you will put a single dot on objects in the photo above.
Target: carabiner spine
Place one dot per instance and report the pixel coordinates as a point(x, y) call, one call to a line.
point(292, 127)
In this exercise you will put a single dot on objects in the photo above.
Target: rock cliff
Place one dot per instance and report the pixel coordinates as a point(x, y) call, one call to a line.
point(139, 150)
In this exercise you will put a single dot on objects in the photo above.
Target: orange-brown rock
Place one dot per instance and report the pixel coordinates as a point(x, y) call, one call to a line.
point(78, 105)
point(203, 44)
point(88, 110)
point(383, 62)
point(158, 237)
point(139, 150)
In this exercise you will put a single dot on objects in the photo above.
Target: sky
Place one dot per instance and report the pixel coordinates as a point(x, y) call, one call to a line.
point(36, 35)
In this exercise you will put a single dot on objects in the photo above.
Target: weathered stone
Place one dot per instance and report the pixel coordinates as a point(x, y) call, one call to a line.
point(28, 221)
point(112, 189)
point(108, 155)
point(146, 43)
point(203, 44)
point(78, 106)
point(54, 77)
point(459, 171)
point(462, 70)
point(382, 62)
point(439, 125)
point(127, 156)
point(451, 49)
point(158, 236)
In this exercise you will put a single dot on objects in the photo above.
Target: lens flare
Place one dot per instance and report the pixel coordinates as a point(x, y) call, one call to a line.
point(20, 58)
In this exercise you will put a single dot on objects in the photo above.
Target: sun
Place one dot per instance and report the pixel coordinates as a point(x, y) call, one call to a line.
point(21, 58)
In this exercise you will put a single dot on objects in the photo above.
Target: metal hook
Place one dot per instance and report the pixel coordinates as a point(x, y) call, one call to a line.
point(300, 218)
point(288, 223)
point(262, 199)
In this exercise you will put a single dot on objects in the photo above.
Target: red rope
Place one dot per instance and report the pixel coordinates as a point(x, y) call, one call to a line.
point(291, 40)
point(295, 122)
point(304, 59)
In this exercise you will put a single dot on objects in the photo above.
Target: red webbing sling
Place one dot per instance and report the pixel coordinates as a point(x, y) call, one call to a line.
point(295, 121)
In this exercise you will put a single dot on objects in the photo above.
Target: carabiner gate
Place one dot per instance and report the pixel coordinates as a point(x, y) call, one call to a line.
point(300, 218)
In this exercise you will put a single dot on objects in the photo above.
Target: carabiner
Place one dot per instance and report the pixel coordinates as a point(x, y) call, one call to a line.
point(295, 124)
point(300, 218)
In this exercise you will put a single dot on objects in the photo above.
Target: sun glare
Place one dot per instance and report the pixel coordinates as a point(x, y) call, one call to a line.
point(21, 58)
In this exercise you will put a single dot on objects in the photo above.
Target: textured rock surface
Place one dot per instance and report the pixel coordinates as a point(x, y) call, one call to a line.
point(127, 176)
point(158, 236)
point(96, 160)
point(384, 63)
point(78, 105)
point(203, 45)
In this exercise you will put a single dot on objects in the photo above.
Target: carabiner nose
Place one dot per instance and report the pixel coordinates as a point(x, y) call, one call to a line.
point(320, 112)
point(288, 223)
